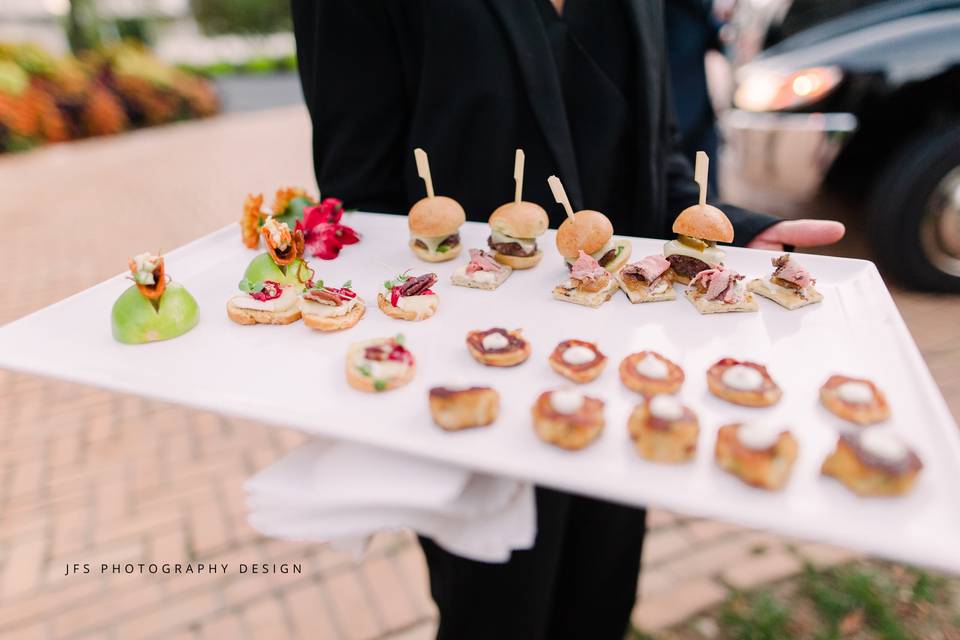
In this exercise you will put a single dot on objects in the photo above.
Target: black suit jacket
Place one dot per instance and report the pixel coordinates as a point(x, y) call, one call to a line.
point(470, 81)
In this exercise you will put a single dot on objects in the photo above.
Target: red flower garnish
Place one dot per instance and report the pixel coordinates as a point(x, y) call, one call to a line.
point(271, 291)
point(323, 234)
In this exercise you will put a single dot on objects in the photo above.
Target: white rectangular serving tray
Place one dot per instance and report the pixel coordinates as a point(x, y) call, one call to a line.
point(293, 376)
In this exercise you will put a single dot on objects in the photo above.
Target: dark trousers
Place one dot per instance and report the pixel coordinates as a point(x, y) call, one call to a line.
point(578, 581)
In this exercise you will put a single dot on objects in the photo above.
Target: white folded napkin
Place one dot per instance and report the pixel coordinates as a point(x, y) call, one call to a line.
point(343, 493)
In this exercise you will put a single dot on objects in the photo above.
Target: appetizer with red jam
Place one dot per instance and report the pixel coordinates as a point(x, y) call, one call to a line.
point(873, 462)
point(482, 272)
point(455, 408)
point(498, 347)
point(578, 360)
point(264, 302)
point(758, 454)
point(589, 284)
point(744, 383)
point(283, 262)
point(567, 418)
point(380, 364)
point(855, 399)
point(327, 308)
point(650, 373)
point(664, 430)
point(153, 308)
point(790, 285)
point(409, 297)
point(720, 290)
point(647, 280)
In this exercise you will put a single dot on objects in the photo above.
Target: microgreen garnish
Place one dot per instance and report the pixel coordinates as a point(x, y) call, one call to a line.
point(399, 339)
point(248, 286)
point(347, 285)
point(380, 385)
point(364, 370)
point(397, 280)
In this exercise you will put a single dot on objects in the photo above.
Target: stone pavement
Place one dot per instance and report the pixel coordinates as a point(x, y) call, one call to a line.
point(88, 476)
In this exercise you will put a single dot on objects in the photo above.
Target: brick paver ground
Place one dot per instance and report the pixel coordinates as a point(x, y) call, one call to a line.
point(88, 476)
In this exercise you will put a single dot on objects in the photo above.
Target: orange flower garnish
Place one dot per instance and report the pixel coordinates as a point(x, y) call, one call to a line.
point(155, 290)
point(284, 246)
point(282, 198)
point(250, 222)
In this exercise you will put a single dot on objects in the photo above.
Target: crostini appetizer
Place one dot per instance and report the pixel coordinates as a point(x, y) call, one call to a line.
point(578, 360)
point(380, 364)
point(790, 285)
point(456, 408)
point(328, 308)
point(153, 308)
point(567, 418)
point(409, 297)
point(664, 430)
point(264, 302)
point(589, 284)
point(854, 399)
point(648, 280)
point(719, 290)
point(758, 454)
point(482, 272)
point(498, 347)
point(744, 383)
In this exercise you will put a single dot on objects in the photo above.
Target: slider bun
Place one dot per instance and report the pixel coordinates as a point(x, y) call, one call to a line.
point(520, 220)
point(588, 230)
point(435, 217)
point(426, 256)
point(704, 222)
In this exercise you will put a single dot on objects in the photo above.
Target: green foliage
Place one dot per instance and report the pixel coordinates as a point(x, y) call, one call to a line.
point(839, 592)
point(136, 29)
point(928, 588)
point(241, 16)
point(83, 26)
point(759, 616)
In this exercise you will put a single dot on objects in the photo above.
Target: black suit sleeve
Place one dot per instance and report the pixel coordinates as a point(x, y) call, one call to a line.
point(351, 73)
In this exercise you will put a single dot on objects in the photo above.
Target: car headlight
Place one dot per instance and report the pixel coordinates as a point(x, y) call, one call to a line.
point(767, 91)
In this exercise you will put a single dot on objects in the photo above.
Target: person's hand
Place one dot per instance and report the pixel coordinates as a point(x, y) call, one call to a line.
point(799, 233)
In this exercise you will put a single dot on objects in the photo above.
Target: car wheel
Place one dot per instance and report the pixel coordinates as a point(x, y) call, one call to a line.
point(915, 209)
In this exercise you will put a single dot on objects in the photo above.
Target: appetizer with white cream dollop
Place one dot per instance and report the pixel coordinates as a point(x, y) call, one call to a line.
point(498, 347)
point(567, 418)
point(855, 399)
point(762, 455)
point(873, 462)
point(577, 360)
point(650, 373)
point(664, 430)
point(742, 382)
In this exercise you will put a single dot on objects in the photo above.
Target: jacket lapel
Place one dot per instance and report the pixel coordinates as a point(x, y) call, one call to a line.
point(523, 27)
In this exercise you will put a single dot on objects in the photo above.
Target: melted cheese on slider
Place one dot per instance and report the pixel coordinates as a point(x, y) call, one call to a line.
point(742, 378)
point(710, 255)
point(288, 298)
point(527, 244)
point(432, 242)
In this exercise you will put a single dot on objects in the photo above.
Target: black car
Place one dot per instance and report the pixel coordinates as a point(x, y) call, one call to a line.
point(862, 95)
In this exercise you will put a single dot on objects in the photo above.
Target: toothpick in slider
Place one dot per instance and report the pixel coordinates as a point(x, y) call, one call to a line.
point(423, 169)
point(560, 195)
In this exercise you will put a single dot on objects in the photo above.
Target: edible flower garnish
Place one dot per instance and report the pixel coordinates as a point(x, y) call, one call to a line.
point(261, 290)
point(282, 245)
point(253, 217)
point(323, 234)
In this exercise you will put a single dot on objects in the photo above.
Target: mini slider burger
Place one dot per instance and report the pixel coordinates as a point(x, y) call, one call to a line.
point(719, 290)
point(153, 308)
point(790, 285)
point(380, 364)
point(578, 360)
point(409, 297)
point(567, 418)
point(589, 284)
point(664, 430)
point(649, 373)
point(699, 228)
point(482, 272)
point(744, 383)
point(648, 280)
point(330, 308)
point(456, 408)
point(873, 462)
point(515, 227)
point(854, 399)
point(434, 221)
point(758, 454)
point(498, 347)
point(588, 231)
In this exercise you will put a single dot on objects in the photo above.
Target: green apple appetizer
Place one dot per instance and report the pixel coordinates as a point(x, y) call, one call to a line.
point(152, 309)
